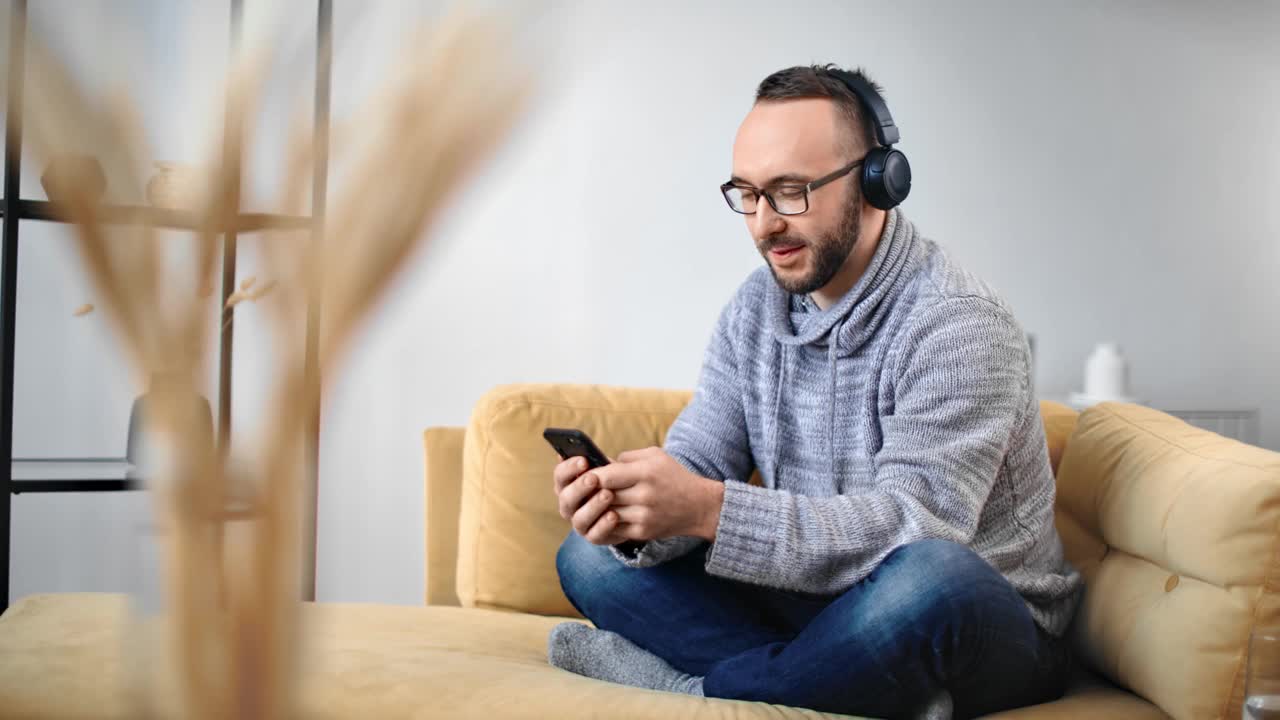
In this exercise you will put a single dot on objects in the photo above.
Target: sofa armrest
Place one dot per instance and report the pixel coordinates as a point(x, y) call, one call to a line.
point(443, 450)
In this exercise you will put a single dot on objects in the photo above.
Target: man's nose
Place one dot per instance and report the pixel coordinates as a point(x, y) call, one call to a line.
point(766, 221)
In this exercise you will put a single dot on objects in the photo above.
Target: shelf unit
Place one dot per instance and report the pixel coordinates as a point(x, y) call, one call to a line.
point(45, 475)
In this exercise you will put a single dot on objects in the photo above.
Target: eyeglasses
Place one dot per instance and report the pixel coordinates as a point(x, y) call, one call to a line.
point(785, 198)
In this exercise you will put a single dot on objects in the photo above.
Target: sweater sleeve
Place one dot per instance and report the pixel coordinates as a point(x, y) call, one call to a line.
point(709, 437)
point(961, 385)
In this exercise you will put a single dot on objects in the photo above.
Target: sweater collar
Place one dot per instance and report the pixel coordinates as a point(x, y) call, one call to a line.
point(855, 317)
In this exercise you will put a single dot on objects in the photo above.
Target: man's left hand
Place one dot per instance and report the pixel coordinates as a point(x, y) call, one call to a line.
point(657, 497)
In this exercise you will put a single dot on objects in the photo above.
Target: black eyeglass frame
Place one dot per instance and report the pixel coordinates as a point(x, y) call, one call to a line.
point(768, 194)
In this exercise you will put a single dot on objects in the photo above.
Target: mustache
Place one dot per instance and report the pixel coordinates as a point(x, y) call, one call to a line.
point(781, 241)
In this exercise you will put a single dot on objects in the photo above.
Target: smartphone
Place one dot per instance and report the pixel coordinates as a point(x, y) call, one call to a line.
point(571, 442)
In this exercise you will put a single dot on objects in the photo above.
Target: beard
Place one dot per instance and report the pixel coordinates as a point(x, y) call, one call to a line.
point(829, 251)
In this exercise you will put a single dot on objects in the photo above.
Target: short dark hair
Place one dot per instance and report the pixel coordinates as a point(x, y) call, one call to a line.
point(809, 81)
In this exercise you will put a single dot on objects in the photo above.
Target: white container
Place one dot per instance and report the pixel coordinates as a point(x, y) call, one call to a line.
point(1106, 374)
point(1106, 378)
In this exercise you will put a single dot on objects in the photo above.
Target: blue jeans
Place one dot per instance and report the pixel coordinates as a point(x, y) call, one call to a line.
point(933, 616)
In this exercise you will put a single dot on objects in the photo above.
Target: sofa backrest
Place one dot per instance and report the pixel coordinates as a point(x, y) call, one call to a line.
point(1175, 531)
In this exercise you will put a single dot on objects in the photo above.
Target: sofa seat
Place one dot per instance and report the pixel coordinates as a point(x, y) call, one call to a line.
point(61, 656)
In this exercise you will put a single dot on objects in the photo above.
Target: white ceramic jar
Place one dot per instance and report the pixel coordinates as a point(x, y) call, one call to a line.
point(1106, 374)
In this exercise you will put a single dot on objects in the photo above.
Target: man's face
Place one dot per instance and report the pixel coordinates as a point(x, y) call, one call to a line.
point(796, 141)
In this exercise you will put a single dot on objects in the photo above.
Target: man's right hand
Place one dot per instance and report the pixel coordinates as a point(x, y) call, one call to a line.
point(584, 505)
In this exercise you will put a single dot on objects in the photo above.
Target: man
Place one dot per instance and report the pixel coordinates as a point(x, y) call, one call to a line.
point(900, 558)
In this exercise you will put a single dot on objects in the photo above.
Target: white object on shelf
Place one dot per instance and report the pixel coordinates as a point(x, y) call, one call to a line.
point(1106, 378)
point(1106, 374)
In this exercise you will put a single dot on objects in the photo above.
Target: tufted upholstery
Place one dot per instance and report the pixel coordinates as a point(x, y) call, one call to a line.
point(1175, 531)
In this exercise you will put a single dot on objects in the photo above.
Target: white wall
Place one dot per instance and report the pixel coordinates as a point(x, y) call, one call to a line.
point(1113, 169)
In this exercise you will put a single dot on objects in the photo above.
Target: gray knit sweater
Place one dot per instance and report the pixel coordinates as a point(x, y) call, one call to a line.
point(902, 413)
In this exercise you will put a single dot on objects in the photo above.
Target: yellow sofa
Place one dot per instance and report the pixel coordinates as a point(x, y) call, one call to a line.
point(1174, 528)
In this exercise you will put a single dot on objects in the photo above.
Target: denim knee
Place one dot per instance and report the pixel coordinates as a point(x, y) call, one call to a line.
point(944, 557)
point(582, 567)
point(930, 575)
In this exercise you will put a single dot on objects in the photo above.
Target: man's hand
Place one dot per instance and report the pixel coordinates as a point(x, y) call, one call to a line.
point(655, 497)
point(588, 513)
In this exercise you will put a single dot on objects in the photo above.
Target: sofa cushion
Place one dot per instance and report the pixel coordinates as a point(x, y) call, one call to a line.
point(1175, 531)
point(510, 528)
point(62, 656)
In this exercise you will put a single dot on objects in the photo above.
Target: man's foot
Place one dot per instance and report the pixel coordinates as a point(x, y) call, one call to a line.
point(608, 656)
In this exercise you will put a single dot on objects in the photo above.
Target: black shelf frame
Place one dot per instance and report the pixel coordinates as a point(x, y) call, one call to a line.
point(17, 487)
point(13, 210)
point(73, 483)
point(162, 217)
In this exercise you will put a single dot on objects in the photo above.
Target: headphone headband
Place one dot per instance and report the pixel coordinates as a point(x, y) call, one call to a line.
point(886, 174)
point(886, 131)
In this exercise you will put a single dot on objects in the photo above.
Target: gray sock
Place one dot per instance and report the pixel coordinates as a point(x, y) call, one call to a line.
point(605, 655)
point(939, 707)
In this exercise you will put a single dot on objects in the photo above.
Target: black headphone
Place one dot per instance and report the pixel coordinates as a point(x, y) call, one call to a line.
point(886, 174)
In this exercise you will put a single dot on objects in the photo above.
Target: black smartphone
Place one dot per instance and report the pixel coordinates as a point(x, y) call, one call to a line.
point(571, 442)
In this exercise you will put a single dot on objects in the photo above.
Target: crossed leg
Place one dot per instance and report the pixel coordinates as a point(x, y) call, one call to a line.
point(933, 621)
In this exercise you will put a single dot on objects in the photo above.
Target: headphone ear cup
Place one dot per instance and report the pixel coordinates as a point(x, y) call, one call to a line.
point(886, 177)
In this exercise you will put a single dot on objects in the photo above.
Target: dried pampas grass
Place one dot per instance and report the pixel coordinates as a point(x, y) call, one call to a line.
point(232, 597)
